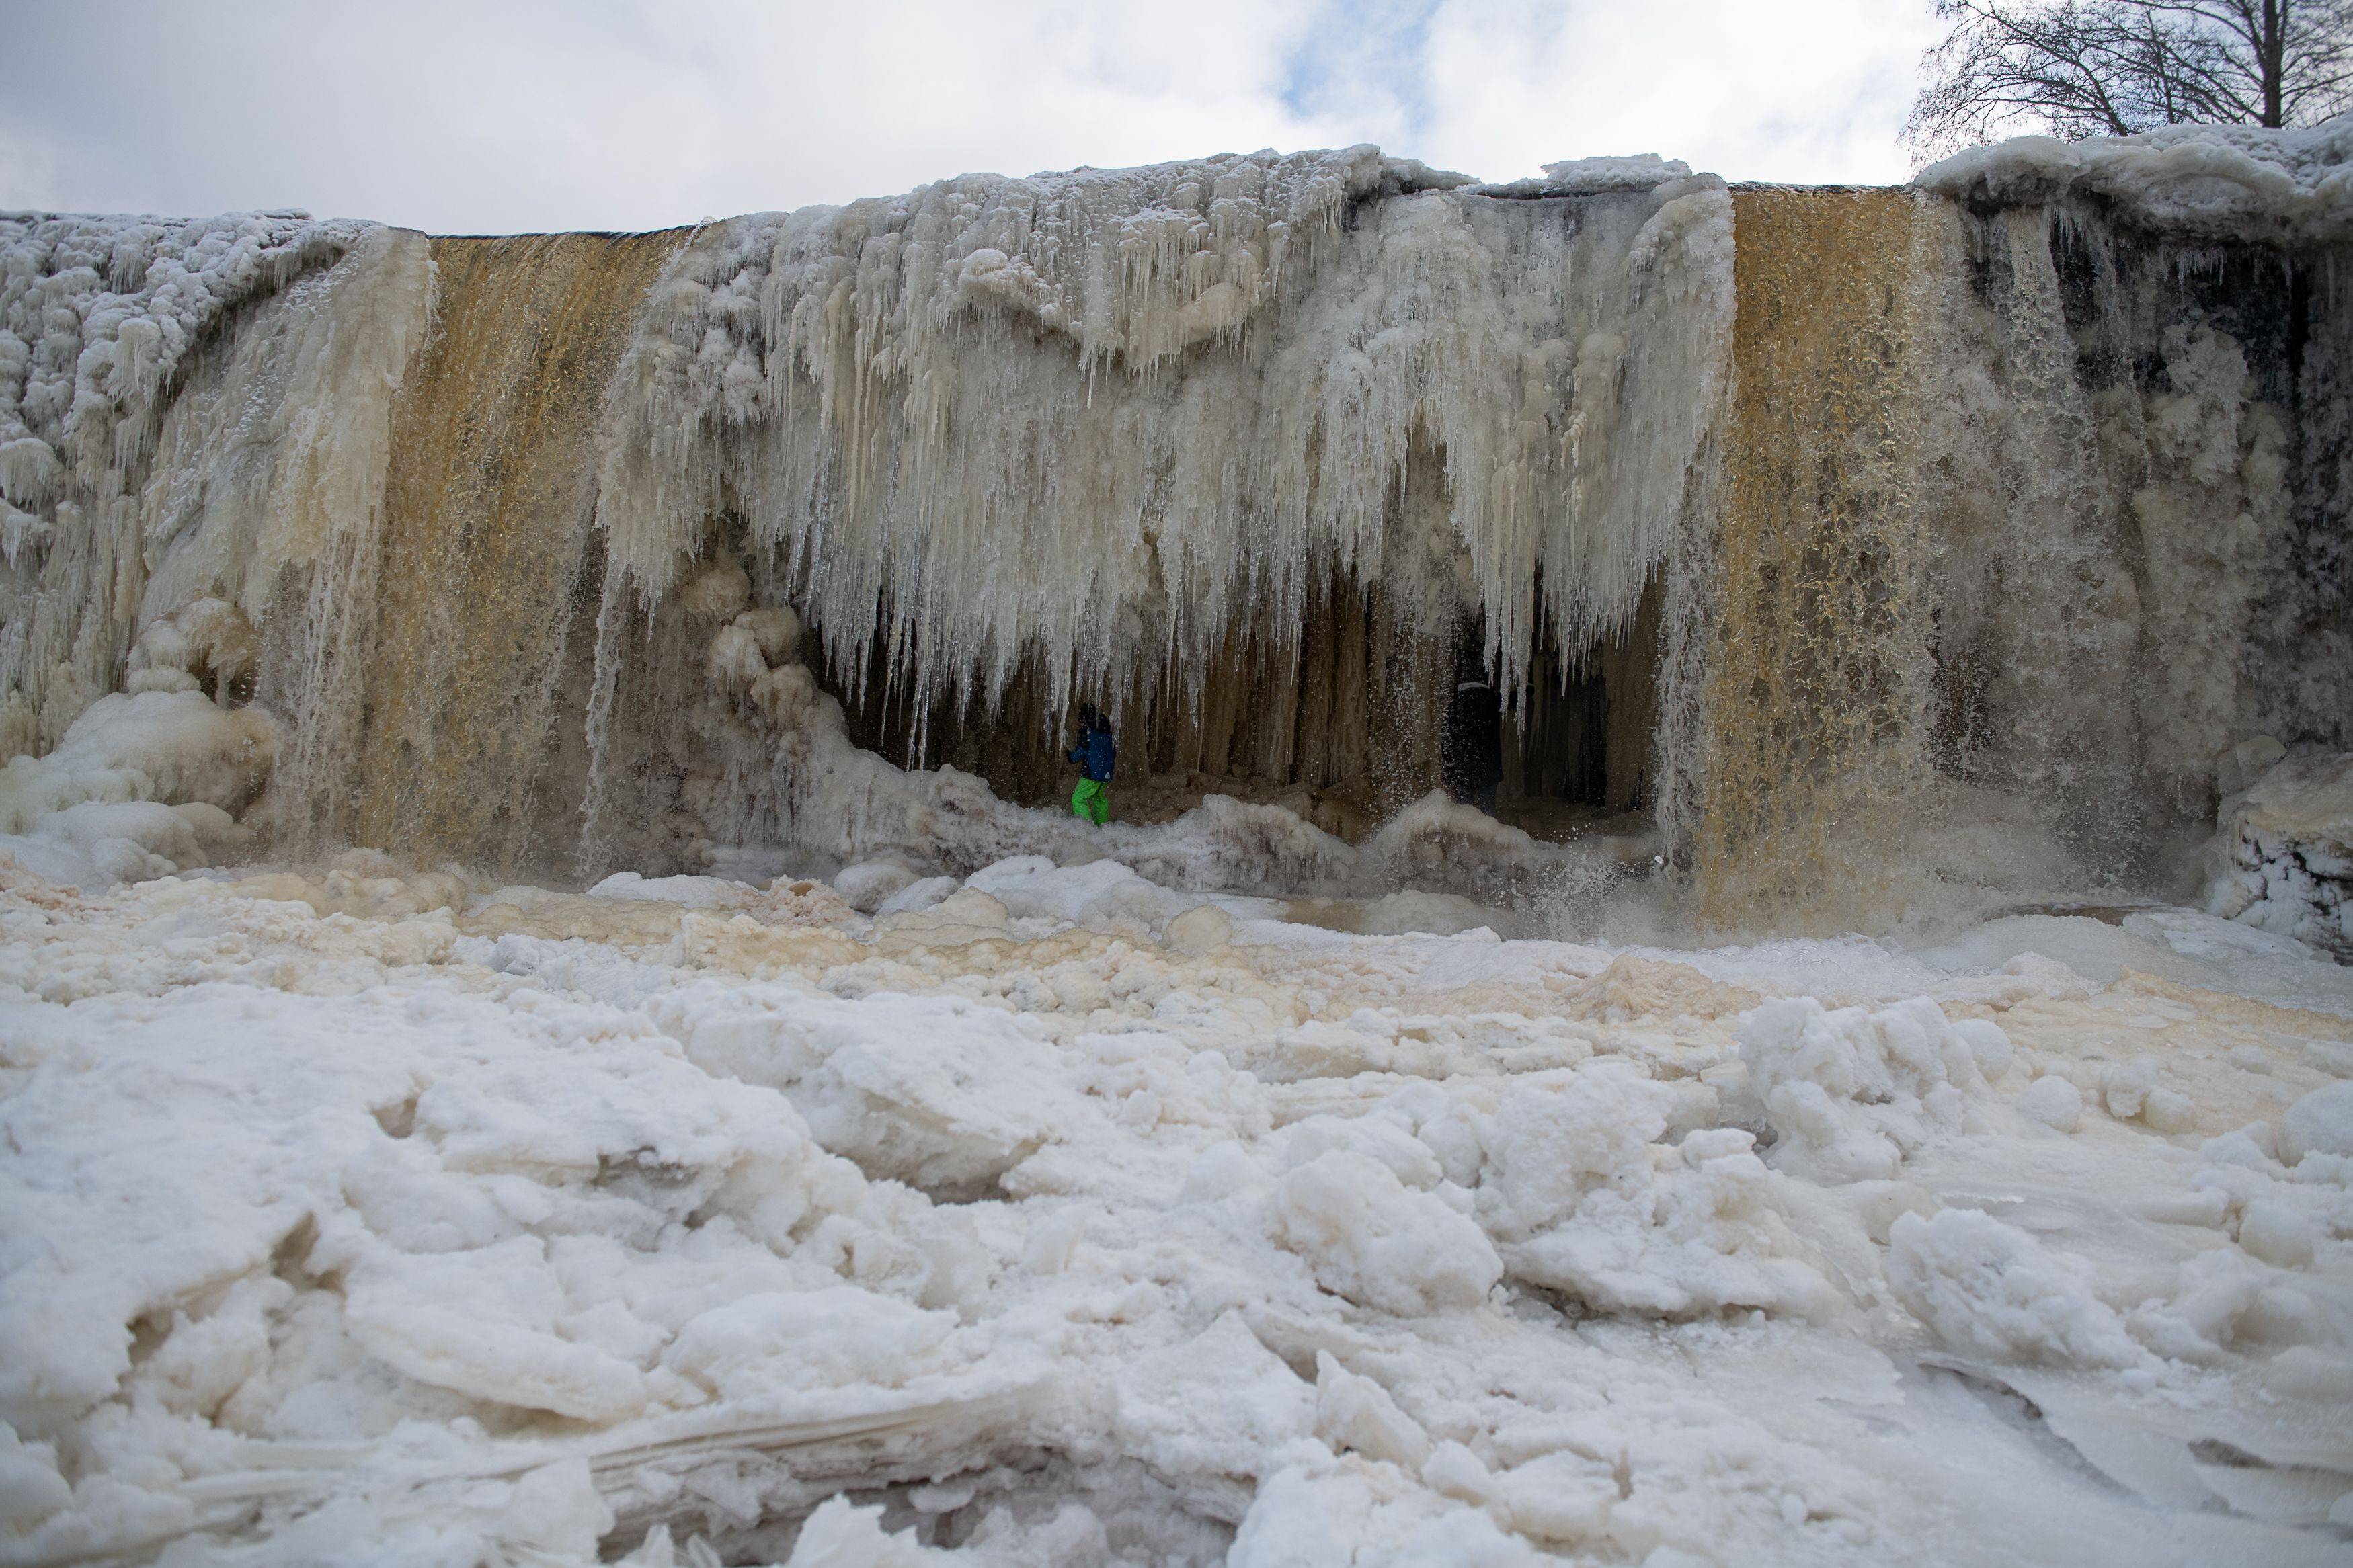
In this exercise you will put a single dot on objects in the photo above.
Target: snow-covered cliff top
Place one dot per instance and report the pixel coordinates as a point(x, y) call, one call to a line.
point(2188, 182)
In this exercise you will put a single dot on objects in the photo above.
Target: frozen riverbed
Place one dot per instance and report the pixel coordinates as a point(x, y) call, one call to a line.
point(364, 1217)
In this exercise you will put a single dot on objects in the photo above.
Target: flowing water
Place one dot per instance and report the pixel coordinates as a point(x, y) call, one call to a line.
point(485, 556)
point(1816, 690)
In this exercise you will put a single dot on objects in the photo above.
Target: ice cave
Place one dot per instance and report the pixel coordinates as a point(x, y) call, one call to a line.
point(553, 1009)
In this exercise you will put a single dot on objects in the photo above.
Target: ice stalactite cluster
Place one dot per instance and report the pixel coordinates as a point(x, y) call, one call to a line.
point(775, 765)
point(1097, 420)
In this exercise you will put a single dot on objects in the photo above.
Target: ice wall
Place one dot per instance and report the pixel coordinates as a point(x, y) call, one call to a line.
point(1989, 557)
point(1977, 522)
point(185, 409)
point(2032, 511)
point(373, 449)
point(2134, 471)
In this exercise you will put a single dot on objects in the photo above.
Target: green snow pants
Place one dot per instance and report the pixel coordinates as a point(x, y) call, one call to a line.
point(1091, 802)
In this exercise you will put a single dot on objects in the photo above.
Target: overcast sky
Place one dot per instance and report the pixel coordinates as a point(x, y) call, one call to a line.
point(513, 115)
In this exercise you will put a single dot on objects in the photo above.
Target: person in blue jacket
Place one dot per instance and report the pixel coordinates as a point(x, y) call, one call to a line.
point(1094, 754)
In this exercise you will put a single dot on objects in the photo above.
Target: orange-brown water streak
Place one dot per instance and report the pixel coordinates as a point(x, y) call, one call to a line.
point(486, 538)
point(1816, 687)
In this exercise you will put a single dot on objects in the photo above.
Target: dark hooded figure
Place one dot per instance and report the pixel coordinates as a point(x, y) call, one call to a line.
point(1095, 754)
point(1473, 741)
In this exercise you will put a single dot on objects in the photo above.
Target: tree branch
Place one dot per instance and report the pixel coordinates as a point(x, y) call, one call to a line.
point(2083, 68)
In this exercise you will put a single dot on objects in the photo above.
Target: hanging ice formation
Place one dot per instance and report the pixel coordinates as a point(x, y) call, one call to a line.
point(1863, 539)
point(1096, 423)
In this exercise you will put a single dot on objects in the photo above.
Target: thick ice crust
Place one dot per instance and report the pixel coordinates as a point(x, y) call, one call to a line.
point(1073, 1219)
point(2189, 182)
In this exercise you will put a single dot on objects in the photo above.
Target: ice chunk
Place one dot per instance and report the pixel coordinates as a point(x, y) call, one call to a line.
point(31, 1490)
point(693, 892)
point(2321, 1122)
point(934, 1091)
point(1355, 1412)
point(1584, 1201)
point(170, 746)
point(1989, 1289)
point(715, 590)
point(484, 1323)
point(1989, 1047)
point(818, 1339)
point(775, 628)
point(840, 1535)
point(2169, 1110)
point(556, 1509)
point(1289, 1525)
point(1376, 1241)
point(2125, 1088)
point(1560, 1498)
point(129, 841)
point(2283, 861)
point(1102, 893)
point(918, 895)
point(2053, 1101)
point(1222, 1171)
point(1377, 1138)
point(1852, 1092)
point(2277, 1233)
point(1200, 930)
point(734, 661)
point(1218, 1402)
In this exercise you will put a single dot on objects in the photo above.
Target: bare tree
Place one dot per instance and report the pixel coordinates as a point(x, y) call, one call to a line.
point(2111, 67)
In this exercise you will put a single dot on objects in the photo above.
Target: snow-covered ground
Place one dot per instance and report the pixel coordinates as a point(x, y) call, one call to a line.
point(365, 1217)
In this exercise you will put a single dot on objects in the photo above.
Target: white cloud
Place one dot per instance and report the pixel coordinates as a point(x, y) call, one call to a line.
point(1802, 93)
point(632, 113)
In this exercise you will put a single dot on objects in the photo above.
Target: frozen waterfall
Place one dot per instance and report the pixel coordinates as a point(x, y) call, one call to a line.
point(1843, 543)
